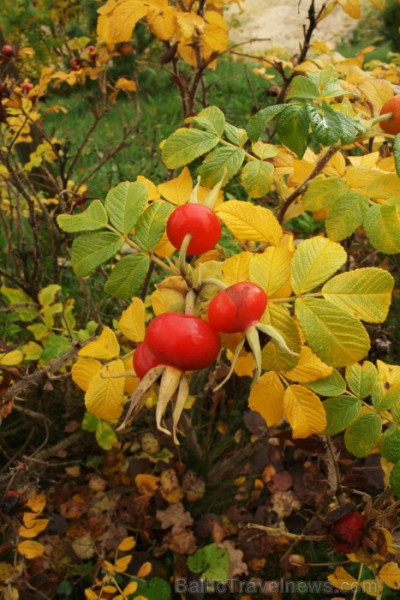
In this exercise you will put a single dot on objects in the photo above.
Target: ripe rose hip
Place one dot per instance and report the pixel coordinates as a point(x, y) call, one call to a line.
point(26, 86)
point(392, 125)
point(183, 341)
point(237, 308)
point(75, 64)
point(7, 50)
point(197, 220)
point(144, 359)
point(348, 532)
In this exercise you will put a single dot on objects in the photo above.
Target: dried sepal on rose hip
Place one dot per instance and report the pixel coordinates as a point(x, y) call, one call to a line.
point(174, 343)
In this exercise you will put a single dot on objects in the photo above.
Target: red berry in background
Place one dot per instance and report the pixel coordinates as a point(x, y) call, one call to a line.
point(183, 341)
point(197, 220)
point(7, 51)
point(91, 49)
point(12, 502)
point(75, 64)
point(144, 359)
point(348, 532)
point(26, 86)
point(392, 125)
point(237, 308)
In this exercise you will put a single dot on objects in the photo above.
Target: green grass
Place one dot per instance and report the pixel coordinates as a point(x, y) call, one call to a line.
point(155, 114)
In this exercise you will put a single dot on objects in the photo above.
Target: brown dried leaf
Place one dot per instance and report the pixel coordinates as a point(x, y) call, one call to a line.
point(174, 516)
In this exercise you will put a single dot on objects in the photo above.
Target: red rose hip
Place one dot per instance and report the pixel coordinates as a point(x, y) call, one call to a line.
point(197, 220)
point(183, 341)
point(237, 308)
point(144, 359)
point(392, 125)
point(348, 532)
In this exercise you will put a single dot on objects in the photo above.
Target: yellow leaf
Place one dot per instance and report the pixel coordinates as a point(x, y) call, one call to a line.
point(104, 397)
point(127, 544)
point(144, 570)
point(118, 19)
point(384, 186)
point(105, 347)
point(359, 178)
point(32, 351)
point(170, 295)
point(266, 397)
point(189, 23)
point(390, 575)
point(244, 365)
point(30, 549)
point(379, 4)
point(273, 358)
point(179, 189)
point(249, 222)
point(37, 504)
point(388, 374)
point(236, 268)
point(84, 370)
point(364, 293)
point(128, 85)
point(304, 411)
point(91, 595)
point(132, 321)
point(342, 580)
point(131, 588)
point(271, 269)
point(161, 19)
point(314, 261)
point(215, 34)
point(109, 589)
point(152, 190)
point(36, 527)
point(147, 484)
point(122, 564)
point(10, 359)
point(351, 7)
point(165, 249)
point(377, 91)
point(309, 368)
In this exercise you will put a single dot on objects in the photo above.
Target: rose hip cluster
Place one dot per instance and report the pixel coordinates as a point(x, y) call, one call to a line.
point(188, 342)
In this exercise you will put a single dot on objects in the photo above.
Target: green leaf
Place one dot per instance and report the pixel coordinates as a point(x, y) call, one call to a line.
point(302, 88)
point(90, 422)
point(127, 276)
point(335, 336)
point(90, 251)
point(236, 135)
point(272, 357)
point(341, 411)
point(361, 378)
point(345, 216)
point(264, 151)
point(211, 119)
point(314, 261)
point(152, 589)
point(293, 128)
point(390, 444)
point(333, 385)
point(396, 153)
point(364, 293)
point(151, 225)
point(382, 226)
point(322, 192)
point(395, 479)
point(124, 204)
point(94, 217)
point(325, 124)
point(258, 122)
point(212, 562)
point(55, 346)
point(257, 177)
point(225, 162)
point(185, 145)
point(105, 435)
point(363, 435)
